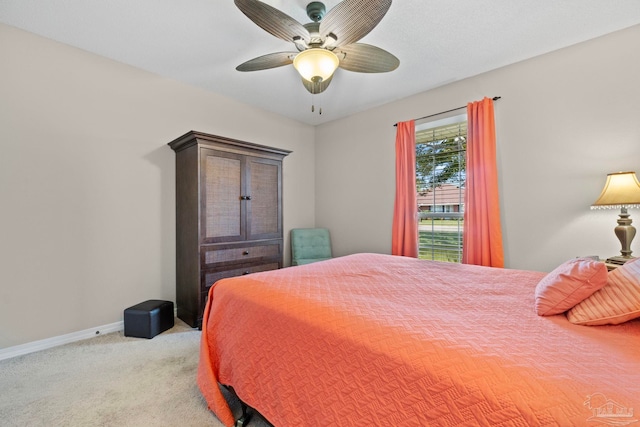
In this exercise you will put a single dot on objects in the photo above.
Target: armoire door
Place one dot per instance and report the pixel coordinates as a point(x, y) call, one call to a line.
point(222, 200)
point(264, 208)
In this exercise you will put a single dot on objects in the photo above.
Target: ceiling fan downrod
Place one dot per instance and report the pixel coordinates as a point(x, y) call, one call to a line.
point(316, 11)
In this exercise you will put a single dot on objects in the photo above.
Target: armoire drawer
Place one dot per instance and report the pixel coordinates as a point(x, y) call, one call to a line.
point(209, 277)
point(214, 255)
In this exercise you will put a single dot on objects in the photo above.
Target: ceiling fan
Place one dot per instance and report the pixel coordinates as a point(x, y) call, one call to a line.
point(326, 43)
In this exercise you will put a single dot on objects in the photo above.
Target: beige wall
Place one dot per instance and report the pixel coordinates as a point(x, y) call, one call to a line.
point(87, 182)
point(565, 120)
point(86, 178)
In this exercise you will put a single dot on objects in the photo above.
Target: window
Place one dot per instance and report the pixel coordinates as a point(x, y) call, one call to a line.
point(440, 179)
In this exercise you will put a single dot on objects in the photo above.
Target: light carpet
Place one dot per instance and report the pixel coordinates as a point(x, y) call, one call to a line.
point(109, 380)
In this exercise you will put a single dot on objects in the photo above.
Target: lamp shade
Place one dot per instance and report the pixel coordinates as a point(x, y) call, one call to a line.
point(622, 190)
point(316, 64)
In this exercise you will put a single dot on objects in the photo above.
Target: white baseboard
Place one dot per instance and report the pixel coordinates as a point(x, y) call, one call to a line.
point(30, 347)
point(19, 350)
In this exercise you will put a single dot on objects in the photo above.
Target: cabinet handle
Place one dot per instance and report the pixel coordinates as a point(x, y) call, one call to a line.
point(248, 197)
point(245, 253)
point(245, 197)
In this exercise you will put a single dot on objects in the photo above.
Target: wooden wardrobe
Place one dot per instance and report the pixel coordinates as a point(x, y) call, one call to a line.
point(228, 214)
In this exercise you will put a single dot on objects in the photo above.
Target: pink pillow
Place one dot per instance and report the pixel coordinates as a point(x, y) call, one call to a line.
point(615, 303)
point(568, 284)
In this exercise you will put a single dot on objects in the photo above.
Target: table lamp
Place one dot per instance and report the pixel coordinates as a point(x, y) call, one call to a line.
point(622, 190)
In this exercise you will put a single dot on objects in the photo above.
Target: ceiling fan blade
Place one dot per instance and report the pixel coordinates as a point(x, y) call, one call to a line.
point(364, 58)
point(272, 20)
point(351, 20)
point(316, 88)
point(270, 60)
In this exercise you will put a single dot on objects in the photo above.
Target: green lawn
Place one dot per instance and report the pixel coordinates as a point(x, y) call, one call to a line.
point(440, 246)
point(453, 222)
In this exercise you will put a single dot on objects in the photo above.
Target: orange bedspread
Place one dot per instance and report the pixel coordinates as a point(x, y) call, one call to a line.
point(370, 339)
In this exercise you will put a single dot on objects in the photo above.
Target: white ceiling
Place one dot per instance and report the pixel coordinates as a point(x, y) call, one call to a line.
point(200, 42)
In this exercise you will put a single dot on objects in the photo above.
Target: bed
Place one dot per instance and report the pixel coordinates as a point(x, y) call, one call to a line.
point(380, 340)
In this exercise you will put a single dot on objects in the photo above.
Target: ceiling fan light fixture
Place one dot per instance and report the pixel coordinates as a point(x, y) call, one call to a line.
point(316, 64)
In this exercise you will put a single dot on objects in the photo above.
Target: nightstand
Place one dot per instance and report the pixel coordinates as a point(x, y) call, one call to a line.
point(611, 266)
point(613, 263)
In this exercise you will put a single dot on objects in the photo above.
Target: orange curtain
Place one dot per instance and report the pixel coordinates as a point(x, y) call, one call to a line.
point(404, 239)
point(482, 236)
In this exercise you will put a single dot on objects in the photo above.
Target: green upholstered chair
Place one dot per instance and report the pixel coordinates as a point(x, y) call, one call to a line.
point(310, 245)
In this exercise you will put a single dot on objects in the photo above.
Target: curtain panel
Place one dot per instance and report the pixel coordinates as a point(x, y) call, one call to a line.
point(404, 239)
point(482, 235)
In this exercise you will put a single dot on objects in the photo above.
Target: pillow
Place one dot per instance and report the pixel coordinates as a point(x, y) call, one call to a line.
point(615, 303)
point(568, 284)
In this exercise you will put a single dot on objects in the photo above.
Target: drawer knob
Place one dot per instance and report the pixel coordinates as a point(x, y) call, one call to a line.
point(246, 272)
point(245, 253)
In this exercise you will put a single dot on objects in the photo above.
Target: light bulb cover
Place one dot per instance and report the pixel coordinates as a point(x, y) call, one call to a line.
point(316, 64)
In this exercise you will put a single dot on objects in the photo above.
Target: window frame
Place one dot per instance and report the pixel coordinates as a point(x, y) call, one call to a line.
point(439, 249)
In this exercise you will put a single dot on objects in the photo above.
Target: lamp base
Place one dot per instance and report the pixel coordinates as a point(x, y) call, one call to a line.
point(619, 260)
point(625, 233)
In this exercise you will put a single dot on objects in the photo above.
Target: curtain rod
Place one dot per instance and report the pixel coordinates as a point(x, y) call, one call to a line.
point(495, 98)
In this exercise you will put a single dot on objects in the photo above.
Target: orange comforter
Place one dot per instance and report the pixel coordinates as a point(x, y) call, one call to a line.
point(391, 341)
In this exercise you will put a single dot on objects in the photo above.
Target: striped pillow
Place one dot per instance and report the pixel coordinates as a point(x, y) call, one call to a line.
point(617, 302)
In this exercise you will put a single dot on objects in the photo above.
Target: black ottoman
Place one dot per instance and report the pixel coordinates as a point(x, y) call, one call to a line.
point(148, 319)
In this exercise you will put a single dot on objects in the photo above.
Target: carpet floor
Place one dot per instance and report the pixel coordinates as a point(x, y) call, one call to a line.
point(109, 380)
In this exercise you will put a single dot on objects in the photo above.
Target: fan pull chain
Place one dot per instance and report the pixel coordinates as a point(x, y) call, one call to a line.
point(313, 107)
